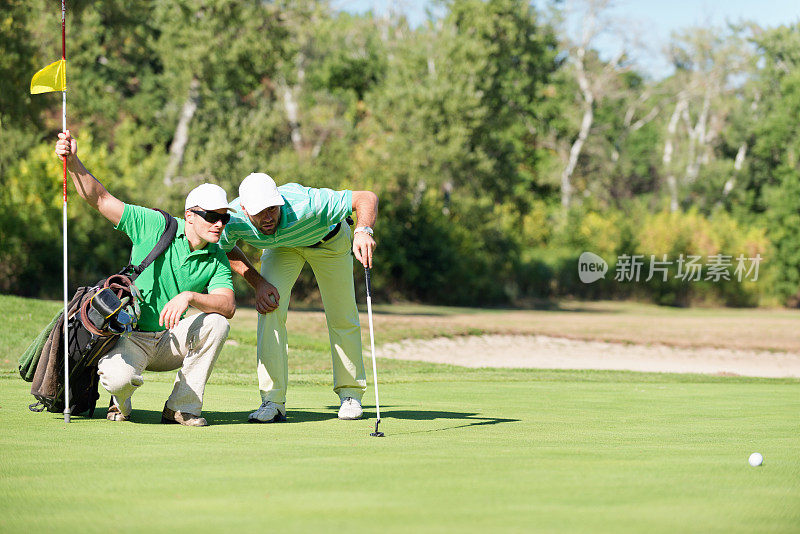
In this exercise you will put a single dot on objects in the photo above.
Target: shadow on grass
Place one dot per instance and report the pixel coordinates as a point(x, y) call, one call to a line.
point(469, 419)
point(236, 418)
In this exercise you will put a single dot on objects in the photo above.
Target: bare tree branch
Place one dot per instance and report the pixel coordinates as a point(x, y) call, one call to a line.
point(178, 146)
point(672, 126)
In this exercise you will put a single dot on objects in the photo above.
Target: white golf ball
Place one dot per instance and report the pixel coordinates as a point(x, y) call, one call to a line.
point(755, 459)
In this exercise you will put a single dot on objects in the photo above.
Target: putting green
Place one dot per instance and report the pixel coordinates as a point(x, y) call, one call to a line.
point(555, 452)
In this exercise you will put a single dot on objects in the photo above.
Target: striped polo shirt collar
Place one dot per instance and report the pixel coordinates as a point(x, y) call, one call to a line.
point(287, 215)
point(307, 216)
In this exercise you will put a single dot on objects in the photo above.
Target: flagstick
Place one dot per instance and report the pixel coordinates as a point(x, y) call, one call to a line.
point(64, 216)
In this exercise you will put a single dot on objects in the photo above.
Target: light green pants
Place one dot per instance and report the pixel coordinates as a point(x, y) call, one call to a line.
point(333, 268)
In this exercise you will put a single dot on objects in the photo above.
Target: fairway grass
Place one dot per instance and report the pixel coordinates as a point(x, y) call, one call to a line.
point(466, 450)
point(551, 452)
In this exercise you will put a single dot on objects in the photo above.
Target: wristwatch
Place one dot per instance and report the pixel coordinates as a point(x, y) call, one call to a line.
point(365, 229)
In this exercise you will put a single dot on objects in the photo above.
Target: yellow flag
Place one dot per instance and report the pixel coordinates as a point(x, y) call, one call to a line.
point(51, 78)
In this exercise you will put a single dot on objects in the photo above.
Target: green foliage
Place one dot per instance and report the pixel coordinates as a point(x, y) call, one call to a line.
point(351, 56)
point(774, 179)
point(687, 234)
point(19, 111)
point(612, 234)
point(30, 227)
point(784, 219)
point(453, 260)
point(17, 64)
point(462, 126)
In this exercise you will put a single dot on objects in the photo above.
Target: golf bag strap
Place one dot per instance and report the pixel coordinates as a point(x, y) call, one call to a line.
point(170, 229)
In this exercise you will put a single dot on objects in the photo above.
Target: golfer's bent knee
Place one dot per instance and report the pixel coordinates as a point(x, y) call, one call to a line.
point(119, 380)
point(217, 325)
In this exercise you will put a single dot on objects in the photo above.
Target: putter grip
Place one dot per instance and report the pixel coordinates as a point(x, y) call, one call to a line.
point(369, 284)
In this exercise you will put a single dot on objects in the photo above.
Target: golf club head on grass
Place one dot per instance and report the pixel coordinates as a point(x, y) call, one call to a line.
point(377, 434)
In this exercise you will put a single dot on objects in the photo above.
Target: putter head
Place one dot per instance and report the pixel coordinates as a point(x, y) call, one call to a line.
point(377, 434)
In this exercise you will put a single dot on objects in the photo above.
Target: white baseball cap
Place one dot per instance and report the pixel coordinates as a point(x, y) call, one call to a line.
point(208, 197)
point(258, 192)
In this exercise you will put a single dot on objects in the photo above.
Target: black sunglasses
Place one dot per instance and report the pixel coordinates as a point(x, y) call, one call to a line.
point(212, 216)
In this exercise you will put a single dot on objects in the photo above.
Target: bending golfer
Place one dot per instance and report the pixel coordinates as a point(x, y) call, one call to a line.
point(294, 225)
point(193, 263)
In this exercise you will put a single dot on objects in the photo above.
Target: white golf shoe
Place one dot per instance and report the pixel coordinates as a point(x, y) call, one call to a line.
point(268, 412)
point(351, 409)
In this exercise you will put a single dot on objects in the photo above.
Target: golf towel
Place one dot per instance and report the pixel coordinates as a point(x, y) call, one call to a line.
point(30, 358)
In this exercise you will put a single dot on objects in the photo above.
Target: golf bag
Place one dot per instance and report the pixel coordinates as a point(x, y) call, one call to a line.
point(96, 317)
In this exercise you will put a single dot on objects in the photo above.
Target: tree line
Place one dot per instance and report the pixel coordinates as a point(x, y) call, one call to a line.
point(501, 146)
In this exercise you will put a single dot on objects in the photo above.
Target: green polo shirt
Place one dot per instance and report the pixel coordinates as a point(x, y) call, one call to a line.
point(178, 269)
point(307, 215)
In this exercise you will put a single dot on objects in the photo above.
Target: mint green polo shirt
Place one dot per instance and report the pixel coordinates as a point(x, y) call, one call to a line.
point(178, 269)
point(307, 215)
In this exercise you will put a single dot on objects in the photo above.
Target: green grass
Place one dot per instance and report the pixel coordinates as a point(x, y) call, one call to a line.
point(466, 450)
point(608, 454)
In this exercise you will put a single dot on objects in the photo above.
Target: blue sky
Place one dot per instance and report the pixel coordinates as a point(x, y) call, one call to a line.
point(654, 20)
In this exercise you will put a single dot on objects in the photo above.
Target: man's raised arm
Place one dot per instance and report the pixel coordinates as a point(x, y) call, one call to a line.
point(91, 190)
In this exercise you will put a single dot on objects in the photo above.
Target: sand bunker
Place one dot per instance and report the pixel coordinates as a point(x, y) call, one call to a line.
point(544, 352)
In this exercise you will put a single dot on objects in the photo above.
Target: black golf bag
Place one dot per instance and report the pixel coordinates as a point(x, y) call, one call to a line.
point(96, 317)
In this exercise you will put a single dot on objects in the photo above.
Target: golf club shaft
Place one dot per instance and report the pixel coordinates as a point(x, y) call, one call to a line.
point(372, 347)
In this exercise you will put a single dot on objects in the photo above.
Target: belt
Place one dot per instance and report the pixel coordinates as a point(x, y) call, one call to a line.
point(330, 235)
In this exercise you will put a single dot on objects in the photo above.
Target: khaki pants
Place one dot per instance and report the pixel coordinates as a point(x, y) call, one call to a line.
point(333, 268)
point(191, 347)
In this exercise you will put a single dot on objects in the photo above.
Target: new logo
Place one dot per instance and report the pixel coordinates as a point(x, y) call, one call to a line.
point(591, 267)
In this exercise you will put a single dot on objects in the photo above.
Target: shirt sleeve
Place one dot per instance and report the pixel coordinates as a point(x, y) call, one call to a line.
point(141, 224)
point(226, 241)
point(331, 206)
point(222, 275)
point(236, 229)
point(233, 231)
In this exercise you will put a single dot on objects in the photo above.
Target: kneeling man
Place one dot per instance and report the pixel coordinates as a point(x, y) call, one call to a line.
point(193, 271)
